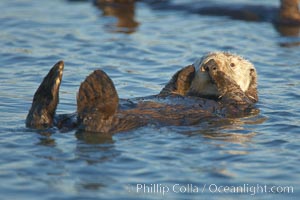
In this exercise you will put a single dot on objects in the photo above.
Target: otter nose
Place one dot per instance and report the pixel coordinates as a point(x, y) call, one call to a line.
point(210, 65)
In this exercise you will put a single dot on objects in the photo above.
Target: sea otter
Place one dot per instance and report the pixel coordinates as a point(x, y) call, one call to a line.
point(287, 14)
point(286, 18)
point(219, 84)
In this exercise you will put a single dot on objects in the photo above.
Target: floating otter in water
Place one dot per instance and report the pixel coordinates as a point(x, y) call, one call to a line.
point(286, 18)
point(220, 84)
point(288, 12)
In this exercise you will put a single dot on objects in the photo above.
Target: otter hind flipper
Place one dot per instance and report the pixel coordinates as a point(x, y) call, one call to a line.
point(97, 102)
point(180, 82)
point(45, 99)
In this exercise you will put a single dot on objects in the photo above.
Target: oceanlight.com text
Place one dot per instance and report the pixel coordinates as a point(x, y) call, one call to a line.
point(250, 189)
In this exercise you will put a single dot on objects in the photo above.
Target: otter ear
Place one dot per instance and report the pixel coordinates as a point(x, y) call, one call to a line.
point(251, 93)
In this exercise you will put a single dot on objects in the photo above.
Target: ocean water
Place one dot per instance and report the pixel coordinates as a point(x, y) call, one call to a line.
point(255, 157)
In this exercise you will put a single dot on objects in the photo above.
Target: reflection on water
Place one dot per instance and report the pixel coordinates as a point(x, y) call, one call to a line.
point(231, 130)
point(123, 11)
point(260, 149)
point(46, 141)
point(289, 44)
point(92, 138)
point(290, 31)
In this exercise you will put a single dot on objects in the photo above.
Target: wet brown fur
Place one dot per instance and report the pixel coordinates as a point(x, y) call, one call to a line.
point(99, 108)
point(99, 120)
point(180, 82)
point(46, 98)
point(232, 103)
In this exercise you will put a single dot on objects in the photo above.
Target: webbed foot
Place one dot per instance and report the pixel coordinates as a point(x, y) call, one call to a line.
point(97, 102)
point(45, 99)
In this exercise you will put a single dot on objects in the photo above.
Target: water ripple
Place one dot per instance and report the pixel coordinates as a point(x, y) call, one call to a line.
point(260, 149)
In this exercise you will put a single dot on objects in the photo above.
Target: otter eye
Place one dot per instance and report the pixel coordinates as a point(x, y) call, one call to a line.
point(232, 65)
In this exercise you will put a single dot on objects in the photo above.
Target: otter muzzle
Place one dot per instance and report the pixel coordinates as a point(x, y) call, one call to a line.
point(209, 66)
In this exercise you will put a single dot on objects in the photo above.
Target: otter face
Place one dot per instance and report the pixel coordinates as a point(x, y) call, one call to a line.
point(241, 71)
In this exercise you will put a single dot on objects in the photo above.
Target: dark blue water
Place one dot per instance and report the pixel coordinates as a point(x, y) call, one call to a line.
point(205, 161)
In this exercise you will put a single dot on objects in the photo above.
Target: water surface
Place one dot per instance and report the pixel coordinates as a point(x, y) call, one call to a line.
point(262, 149)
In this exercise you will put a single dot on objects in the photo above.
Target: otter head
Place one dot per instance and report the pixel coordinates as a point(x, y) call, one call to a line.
point(239, 70)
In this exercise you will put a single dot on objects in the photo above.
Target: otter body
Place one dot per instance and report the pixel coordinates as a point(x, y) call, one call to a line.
point(217, 85)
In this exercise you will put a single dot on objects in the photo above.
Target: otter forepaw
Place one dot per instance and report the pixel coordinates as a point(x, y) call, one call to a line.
point(180, 82)
point(229, 90)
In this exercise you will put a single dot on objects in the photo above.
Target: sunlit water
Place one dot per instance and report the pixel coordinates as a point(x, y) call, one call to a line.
point(250, 152)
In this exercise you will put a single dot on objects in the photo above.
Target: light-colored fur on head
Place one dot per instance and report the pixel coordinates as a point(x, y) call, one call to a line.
point(237, 68)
